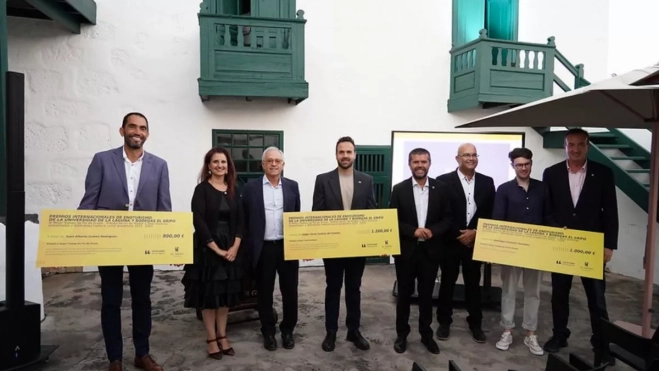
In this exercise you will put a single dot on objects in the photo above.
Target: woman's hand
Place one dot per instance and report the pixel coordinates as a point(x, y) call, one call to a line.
point(231, 254)
point(221, 253)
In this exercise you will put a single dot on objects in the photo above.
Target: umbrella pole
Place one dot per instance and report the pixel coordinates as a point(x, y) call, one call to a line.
point(651, 238)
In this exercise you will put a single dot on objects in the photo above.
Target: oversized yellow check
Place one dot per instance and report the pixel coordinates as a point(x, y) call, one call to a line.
point(340, 234)
point(549, 249)
point(79, 238)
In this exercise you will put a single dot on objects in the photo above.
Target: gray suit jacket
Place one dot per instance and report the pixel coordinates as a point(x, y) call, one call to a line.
point(327, 192)
point(106, 187)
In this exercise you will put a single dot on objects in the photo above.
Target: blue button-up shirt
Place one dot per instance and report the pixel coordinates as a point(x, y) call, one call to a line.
point(513, 203)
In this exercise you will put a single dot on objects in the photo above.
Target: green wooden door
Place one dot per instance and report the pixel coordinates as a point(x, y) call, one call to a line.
point(376, 162)
point(501, 18)
point(468, 20)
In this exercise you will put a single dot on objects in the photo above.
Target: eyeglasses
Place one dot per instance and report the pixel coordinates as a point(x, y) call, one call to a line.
point(521, 166)
point(469, 155)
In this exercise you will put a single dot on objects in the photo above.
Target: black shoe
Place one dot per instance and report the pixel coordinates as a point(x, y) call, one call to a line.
point(356, 338)
point(400, 345)
point(430, 344)
point(287, 340)
point(554, 344)
point(329, 342)
point(443, 332)
point(269, 342)
point(478, 335)
point(608, 358)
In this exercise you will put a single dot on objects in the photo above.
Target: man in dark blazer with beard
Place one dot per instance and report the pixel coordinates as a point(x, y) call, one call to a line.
point(472, 198)
point(265, 201)
point(344, 188)
point(424, 215)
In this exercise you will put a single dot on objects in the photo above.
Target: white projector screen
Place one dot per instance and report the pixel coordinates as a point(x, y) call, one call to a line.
point(492, 151)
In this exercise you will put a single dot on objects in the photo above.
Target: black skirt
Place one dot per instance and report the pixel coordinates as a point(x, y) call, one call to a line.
point(213, 282)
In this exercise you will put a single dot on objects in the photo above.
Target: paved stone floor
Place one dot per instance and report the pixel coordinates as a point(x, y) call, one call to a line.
point(177, 342)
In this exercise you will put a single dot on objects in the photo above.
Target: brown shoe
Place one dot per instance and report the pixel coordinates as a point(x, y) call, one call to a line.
point(116, 366)
point(147, 363)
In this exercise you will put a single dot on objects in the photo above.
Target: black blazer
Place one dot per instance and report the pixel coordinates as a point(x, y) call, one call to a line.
point(255, 212)
point(327, 192)
point(597, 207)
point(484, 192)
point(438, 218)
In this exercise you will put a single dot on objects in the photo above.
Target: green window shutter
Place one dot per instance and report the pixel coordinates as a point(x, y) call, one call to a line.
point(376, 162)
point(502, 17)
point(468, 20)
point(246, 147)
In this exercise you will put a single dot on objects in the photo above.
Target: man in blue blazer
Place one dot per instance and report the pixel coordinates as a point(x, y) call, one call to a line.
point(127, 178)
point(265, 201)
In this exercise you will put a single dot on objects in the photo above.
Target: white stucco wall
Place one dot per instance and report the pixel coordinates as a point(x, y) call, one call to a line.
point(373, 66)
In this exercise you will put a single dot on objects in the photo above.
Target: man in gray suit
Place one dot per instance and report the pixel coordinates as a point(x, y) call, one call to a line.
point(127, 178)
point(343, 188)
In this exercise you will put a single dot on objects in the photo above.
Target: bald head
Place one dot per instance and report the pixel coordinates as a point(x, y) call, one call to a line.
point(466, 148)
point(467, 158)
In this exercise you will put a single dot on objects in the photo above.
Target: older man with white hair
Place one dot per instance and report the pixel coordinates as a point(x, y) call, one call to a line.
point(265, 201)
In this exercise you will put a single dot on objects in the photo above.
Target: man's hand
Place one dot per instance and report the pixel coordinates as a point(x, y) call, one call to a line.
point(419, 233)
point(428, 233)
point(467, 237)
point(608, 254)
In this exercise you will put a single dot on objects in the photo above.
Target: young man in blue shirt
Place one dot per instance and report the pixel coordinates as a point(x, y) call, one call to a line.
point(521, 200)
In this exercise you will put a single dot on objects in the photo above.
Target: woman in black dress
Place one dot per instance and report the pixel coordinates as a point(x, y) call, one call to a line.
point(213, 282)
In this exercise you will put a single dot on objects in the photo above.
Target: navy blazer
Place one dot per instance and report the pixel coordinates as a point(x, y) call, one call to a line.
point(254, 209)
point(597, 207)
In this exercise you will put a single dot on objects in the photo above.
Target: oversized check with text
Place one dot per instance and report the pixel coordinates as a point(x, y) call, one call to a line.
point(340, 234)
point(80, 238)
point(550, 249)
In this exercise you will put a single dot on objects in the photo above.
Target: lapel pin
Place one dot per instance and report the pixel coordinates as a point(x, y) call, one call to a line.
point(359, 181)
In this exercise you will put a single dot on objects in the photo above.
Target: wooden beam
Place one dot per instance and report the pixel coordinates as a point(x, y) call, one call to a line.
point(57, 14)
point(86, 8)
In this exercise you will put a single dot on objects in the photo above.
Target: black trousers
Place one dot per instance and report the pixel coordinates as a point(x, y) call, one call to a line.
point(420, 269)
point(450, 265)
point(271, 263)
point(334, 275)
point(560, 304)
point(112, 290)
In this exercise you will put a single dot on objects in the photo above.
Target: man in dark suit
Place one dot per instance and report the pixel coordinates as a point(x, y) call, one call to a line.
point(127, 178)
point(265, 202)
point(424, 215)
point(343, 188)
point(472, 198)
point(582, 193)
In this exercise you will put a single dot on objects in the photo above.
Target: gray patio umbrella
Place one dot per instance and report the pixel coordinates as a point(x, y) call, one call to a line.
point(626, 101)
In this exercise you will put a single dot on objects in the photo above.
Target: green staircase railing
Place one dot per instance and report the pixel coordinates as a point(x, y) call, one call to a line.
point(612, 148)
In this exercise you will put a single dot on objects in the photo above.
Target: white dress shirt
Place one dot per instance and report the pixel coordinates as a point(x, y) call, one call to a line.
point(133, 172)
point(576, 181)
point(273, 201)
point(468, 186)
point(421, 202)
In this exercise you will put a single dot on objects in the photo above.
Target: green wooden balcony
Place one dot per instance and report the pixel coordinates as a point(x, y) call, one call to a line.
point(248, 56)
point(489, 72)
point(69, 14)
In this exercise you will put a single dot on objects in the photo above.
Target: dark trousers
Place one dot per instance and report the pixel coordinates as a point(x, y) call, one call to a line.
point(471, 274)
point(334, 274)
point(112, 290)
point(560, 304)
point(271, 263)
point(420, 269)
